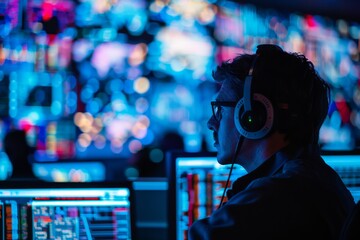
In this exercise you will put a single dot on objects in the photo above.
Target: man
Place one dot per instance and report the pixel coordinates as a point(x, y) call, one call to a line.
point(267, 117)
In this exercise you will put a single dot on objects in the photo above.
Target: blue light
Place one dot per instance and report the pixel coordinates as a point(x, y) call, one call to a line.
point(106, 34)
point(94, 84)
point(129, 86)
point(150, 185)
point(93, 106)
point(56, 108)
point(114, 85)
point(72, 81)
point(86, 94)
point(71, 99)
point(149, 138)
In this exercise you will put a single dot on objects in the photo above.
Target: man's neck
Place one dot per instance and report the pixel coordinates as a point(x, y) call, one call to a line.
point(256, 152)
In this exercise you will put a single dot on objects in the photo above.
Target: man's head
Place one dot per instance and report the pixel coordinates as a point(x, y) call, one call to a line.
point(298, 97)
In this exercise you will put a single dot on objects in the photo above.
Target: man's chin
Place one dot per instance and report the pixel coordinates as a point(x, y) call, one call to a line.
point(223, 159)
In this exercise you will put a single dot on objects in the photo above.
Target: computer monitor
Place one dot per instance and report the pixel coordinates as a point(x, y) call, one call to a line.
point(347, 165)
point(151, 211)
point(43, 210)
point(196, 186)
point(197, 180)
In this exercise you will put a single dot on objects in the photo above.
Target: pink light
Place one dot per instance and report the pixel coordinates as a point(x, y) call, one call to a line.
point(343, 110)
point(47, 10)
point(26, 125)
point(310, 21)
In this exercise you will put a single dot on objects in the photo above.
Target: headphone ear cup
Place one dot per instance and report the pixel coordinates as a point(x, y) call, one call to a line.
point(258, 122)
point(253, 120)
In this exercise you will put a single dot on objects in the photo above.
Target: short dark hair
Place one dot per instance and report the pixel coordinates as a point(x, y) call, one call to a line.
point(288, 78)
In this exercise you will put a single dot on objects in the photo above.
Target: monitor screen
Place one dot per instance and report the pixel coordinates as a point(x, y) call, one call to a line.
point(83, 171)
point(347, 165)
point(197, 181)
point(40, 210)
point(196, 187)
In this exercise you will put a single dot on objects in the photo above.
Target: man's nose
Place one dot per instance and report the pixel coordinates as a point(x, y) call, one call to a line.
point(212, 123)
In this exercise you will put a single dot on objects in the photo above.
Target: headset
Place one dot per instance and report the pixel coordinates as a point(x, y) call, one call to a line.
point(254, 113)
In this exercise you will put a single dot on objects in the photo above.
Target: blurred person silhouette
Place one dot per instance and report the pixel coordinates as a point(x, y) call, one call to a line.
point(266, 118)
point(19, 153)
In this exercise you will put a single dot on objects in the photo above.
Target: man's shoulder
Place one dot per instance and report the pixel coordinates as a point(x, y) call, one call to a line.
point(269, 189)
point(301, 177)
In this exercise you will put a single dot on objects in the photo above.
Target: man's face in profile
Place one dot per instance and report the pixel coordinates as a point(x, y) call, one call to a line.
point(224, 130)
